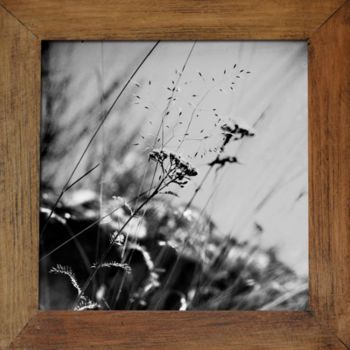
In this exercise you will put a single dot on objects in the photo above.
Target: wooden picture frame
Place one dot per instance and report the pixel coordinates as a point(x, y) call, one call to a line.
point(326, 26)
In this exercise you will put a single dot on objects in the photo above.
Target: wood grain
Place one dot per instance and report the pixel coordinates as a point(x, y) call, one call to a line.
point(329, 173)
point(176, 330)
point(169, 19)
point(329, 89)
point(19, 152)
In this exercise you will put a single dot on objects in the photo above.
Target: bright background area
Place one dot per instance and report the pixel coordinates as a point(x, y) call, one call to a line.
point(270, 187)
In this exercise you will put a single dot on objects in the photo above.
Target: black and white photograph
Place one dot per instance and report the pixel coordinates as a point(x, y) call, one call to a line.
point(174, 175)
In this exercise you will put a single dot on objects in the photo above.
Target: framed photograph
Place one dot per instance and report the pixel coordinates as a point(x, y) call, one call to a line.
point(175, 175)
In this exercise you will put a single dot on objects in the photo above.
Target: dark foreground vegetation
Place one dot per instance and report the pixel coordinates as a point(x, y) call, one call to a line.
point(176, 262)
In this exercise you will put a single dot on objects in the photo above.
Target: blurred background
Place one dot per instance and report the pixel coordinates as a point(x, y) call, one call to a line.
point(261, 202)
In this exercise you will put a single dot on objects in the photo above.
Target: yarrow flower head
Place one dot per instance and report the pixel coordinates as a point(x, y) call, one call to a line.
point(238, 129)
point(173, 166)
point(158, 156)
point(184, 167)
point(235, 130)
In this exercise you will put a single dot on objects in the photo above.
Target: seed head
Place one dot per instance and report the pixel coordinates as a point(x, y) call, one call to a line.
point(237, 129)
point(174, 167)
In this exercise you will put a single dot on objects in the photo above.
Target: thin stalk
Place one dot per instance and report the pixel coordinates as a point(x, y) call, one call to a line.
point(102, 101)
point(64, 189)
point(198, 188)
point(108, 250)
point(285, 297)
point(81, 177)
point(161, 128)
point(79, 233)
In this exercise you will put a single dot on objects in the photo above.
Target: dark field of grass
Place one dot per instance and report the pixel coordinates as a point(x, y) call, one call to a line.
point(177, 262)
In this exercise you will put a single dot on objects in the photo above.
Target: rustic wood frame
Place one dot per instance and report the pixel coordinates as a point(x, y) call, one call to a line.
point(326, 26)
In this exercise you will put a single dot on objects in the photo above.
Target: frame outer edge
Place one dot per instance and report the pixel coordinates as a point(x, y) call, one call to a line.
point(329, 133)
point(19, 169)
point(169, 20)
point(19, 174)
point(176, 330)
